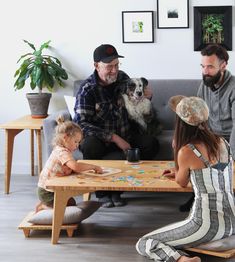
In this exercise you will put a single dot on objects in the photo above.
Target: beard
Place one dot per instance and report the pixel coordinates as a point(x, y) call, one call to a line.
point(211, 81)
point(110, 79)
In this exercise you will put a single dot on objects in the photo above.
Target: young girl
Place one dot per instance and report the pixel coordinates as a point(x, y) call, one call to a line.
point(61, 162)
point(202, 158)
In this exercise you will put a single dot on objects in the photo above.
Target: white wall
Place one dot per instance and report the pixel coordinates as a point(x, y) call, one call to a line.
point(75, 28)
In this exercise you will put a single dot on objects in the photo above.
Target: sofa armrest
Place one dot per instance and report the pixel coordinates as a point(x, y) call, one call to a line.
point(49, 125)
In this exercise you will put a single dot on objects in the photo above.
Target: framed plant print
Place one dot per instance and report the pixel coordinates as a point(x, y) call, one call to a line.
point(212, 24)
point(172, 14)
point(137, 27)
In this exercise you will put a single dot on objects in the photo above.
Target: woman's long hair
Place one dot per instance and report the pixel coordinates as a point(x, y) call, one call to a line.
point(185, 134)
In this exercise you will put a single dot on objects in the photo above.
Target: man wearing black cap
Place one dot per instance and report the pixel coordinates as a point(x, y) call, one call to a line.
point(100, 112)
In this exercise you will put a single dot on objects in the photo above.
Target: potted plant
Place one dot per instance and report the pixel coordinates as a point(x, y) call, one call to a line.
point(44, 71)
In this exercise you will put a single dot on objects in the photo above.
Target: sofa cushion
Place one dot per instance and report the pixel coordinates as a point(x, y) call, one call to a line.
point(165, 142)
point(163, 89)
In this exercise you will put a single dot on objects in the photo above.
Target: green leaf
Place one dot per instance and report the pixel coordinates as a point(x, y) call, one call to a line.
point(42, 70)
point(17, 72)
point(38, 73)
point(19, 85)
point(60, 72)
point(34, 75)
point(20, 82)
point(45, 45)
point(23, 56)
point(59, 81)
point(57, 61)
point(32, 85)
point(38, 61)
point(48, 80)
point(51, 71)
point(37, 53)
point(31, 45)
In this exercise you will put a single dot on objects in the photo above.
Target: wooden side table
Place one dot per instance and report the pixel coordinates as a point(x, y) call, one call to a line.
point(13, 128)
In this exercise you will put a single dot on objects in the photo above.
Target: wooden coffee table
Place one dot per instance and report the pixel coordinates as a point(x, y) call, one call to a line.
point(143, 177)
point(147, 176)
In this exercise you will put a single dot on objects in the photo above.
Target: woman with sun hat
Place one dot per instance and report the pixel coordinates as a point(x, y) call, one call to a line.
point(202, 158)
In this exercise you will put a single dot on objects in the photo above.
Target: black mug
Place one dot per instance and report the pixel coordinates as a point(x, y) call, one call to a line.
point(133, 155)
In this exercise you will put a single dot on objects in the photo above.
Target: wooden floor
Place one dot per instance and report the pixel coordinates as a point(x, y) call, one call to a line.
point(108, 235)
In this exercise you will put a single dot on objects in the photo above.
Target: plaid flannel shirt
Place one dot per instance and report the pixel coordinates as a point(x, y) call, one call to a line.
point(99, 110)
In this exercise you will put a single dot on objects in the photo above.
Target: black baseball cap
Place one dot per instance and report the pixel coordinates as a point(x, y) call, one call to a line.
point(105, 53)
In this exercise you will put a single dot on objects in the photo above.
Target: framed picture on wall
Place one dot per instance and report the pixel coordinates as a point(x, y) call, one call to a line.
point(212, 24)
point(172, 14)
point(137, 27)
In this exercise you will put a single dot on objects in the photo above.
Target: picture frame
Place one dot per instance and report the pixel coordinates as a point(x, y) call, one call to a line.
point(212, 24)
point(137, 27)
point(172, 14)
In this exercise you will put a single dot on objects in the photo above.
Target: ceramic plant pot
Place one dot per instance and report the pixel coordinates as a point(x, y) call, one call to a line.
point(39, 104)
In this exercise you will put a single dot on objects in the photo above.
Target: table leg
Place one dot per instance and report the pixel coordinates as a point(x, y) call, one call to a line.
point(60, 202)
point(9, 142)
point(32, 150)
point(39, 149)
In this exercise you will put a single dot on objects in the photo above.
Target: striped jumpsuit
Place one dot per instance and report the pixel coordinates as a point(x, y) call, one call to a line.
point(212, 215)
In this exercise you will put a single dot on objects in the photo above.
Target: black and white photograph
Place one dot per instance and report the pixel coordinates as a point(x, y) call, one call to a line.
point(173, 14)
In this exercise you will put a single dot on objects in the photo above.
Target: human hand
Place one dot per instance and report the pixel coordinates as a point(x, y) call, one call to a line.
point(169, 173)
point(120, 142)
point(66, 170)
point(98, 169)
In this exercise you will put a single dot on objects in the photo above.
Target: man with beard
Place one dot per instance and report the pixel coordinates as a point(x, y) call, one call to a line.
point(101, 113)
point(218, 91)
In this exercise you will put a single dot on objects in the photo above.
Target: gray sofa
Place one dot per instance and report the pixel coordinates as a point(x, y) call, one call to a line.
point(162, 90)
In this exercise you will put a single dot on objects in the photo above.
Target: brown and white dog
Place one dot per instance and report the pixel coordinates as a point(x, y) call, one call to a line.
point(139, 107)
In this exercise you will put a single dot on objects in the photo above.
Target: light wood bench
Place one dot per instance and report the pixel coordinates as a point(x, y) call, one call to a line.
point(224, 254)
point(26, 226)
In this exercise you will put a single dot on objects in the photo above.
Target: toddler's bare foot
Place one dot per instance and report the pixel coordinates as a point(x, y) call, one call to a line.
point(40, 206)
point(189, 259)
